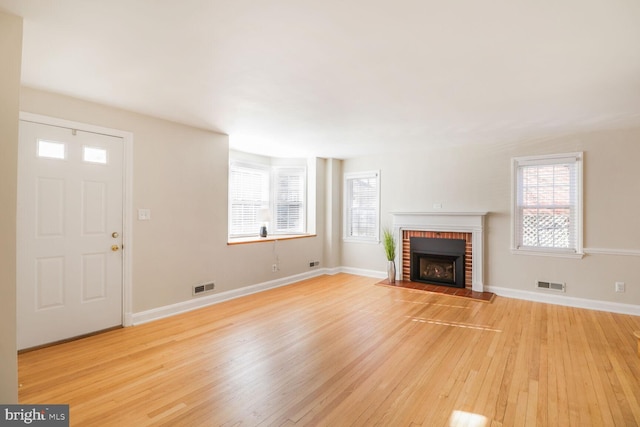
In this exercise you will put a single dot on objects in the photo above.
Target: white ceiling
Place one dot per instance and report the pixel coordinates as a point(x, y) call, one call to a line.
point(345, 78)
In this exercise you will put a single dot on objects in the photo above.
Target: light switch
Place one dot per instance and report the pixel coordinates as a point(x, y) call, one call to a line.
point(144, 214)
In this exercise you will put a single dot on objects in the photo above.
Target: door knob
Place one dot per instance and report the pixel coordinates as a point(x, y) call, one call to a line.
point(115, 248)
point(115, 235)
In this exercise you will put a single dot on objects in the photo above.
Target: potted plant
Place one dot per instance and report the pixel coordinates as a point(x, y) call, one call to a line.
point(390, 251)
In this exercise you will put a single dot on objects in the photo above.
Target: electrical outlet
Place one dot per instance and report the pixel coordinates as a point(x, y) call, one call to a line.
point(619, 286)
point(274, 267)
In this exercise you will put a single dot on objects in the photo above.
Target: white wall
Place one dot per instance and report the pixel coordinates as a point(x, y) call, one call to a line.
point(181, 174)
point(478, 178)
point(10, 54)
point(333, 213)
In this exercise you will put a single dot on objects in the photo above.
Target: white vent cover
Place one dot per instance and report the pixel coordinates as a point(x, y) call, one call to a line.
point(203, 288)
point(560, 287)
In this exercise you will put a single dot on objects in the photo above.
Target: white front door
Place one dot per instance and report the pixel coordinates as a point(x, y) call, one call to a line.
point(70, 221)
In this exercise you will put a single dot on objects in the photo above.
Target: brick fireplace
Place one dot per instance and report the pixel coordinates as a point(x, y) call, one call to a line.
point(467, 226)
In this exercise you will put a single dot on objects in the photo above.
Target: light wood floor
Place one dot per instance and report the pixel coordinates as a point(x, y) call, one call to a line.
point(339, 351)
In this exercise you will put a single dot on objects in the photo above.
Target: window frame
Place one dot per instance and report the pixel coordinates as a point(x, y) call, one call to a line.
point(262, 169)
point(276, 171)
point(271, 173)
point(576, 159)
point(347, 206)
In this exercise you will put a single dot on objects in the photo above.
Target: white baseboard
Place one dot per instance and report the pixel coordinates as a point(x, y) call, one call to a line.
point(613, 307)
point(363, 272)
point(204, 301)
point(196, 303)
point(332, 271)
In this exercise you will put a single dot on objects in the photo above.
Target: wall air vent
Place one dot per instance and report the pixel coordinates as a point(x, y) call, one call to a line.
point(560, 287)
point(203, 288)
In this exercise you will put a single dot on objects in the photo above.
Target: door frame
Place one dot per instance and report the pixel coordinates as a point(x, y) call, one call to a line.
point(127, 201)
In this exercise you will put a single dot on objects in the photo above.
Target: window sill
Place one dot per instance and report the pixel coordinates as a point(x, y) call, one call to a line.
point(269, 238)
point(354, 240)
point(551, 253)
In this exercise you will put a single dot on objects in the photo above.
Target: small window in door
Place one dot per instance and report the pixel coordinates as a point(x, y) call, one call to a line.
point(94, 155)
point(51, 149)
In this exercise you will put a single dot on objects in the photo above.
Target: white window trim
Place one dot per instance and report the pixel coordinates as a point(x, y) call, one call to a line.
point(345, 220)
point(270, 169)
point(247, 165)
point(548, 159)
point(272, 203)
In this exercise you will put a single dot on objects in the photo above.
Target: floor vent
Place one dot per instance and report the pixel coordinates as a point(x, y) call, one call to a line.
point(550, 286)
point(203, 289)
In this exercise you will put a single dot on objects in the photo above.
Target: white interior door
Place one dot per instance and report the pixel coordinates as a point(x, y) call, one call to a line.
point(70, 221)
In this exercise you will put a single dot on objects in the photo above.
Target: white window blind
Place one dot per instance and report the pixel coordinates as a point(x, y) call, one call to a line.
point(248, 192)
point(289, 200)
point(254, 188)
point(362, 206)
point(548, 209)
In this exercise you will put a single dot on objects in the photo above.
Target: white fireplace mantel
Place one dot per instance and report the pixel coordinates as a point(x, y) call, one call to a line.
point(463, 222)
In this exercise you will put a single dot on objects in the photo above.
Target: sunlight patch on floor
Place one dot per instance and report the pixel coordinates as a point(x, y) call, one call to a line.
point(466, 419)
point(457, 325)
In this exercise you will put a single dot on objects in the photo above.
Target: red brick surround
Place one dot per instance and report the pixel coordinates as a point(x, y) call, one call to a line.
point(406, 256)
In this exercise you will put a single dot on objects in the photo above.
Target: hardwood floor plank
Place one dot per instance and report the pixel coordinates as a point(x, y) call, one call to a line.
point(339, 350)
point(557, 403)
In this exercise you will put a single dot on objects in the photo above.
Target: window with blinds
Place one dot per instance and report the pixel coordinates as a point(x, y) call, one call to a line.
point(248, 193)
point(279, 190)
point(362, 206)
point(548, 203)
point(289, 200)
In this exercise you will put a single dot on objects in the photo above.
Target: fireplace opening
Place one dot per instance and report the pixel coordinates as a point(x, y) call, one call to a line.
point(437, 267)
point(437, 261)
